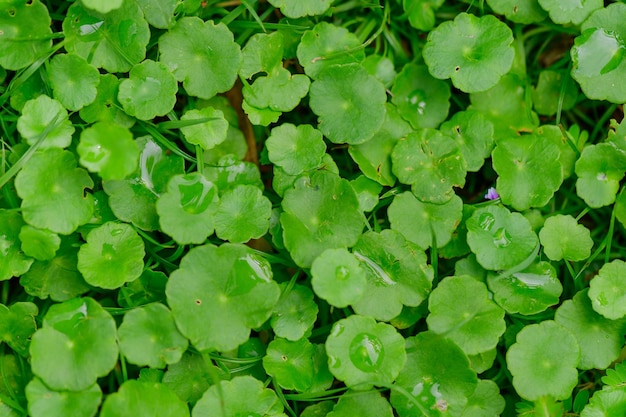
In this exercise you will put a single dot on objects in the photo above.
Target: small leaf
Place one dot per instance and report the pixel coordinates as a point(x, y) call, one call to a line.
point(14, 262)
point(39, 243)
point(143, 399)
point(105, 107)
point(263, 52)
point(45, 402)
point(148, 337)
point(112, 256)
point(421, 13)
point(563, 238)
point(279, 92)
point(243, 213)
point(474, 134)
point(295, 314)
point(519, 11)
point(159, 13)
point(473, 51)
point(486, 400)
point(350, 103)
point(75, 346)
point(108, 149)
point(295, 148)
point(337, 277)
point(302, 8)
point(367, 192)
point(17, 325)
point(190, 377)
point(570, 11)
point(203, 55)
point(363, 352)
point(600, 169)
point(607, 294)
point(38, 116)
point(543, 361)
point(363, 404)
point(149, 91)
point(209, 133)
point(73, 80)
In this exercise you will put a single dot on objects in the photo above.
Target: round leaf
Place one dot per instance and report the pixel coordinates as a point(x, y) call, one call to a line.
point(76, 345)
point(112, 256)
point(600, 339)
point(500, 239)
point(105, 107)
point(563, 238)
point(14, 262)
point(421, 13)
point(530, 291)
point(363, 404)
point(208, 134)
point(159, 13)
point(431, 162)
point(53, 191)
point(302, 8)
point(102, 6)
point(243, 213)
point(280, 92)
point(108, 149)
point(519, 11)
point(148, 337)
point(114, 41)
point(203, 55)
point(219, 293)
point(17, 325)
point(600, 169)
point(350, 103)
point(486, 400)
point(543, 361)
point(187, 209)
point(570, 11)
point(243, 396)
point(295, 314)
point(475, 135)
point(143, 399)
point(190, 377)
point(295, 148)
point(38, 243)
point(44, 402)
point(529, 170)
point(473, 51)
point(461, 310)
point(337, 277)
point(363, 353)
point(421, 100)
point(73, 80)
point(263, 52)
point(149, 91)
point(607, 294)
point(38, 116)
point(321, 212)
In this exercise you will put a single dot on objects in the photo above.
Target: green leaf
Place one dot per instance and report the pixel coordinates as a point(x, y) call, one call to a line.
point(500, 239)
point(53, 191)
point(302, 8)
point(328, 45)
point(486, 400)
point(547, 94)
point(75, 346)
point(374, 156)
point(295, 314)
point(606, 292)
point(363, 353)
point(474, 134)
point(367, 192)
point(263, 52)
point(529, 291)
point(616, 377)
point(437, 376)
point(115, 41)
point(203, 55)
point(102, 6)
point(461, 310)
point(600, 169)
point(73, 80)
point(321, 212)
point(14, 262)
point(148, 337)
point(190, 377)
point(337, 277)
point(134, 199)
point(230, 172)
point(109, 150)
point(17, 325)
point(570, 11)
point(149, 91)
point(26, 33)
point(421, 13)
point(243, 213)
point(605, 403)
point(39, 243)
point(363, 404)
point(187, 209)
point(159, 13)
point(219, 293)
point(112, 256)
point(243, 396)
point(473, 51)
point(396, 271)
point(279, 92)
point(350, 103)
point(543, 361)
point(207, 134)
point(295, 148)
point(529, 170)
point(431, 163)
point(380, 67)
point(43, 401)
point(421, 100)
point(425, 224)
point(105, 107)
point(600, 339)
point(38, 115)
point(563, 238)
point(519, 11)
point(142, 399)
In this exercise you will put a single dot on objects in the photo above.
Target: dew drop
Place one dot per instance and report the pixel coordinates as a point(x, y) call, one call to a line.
point(417, 99)
point(342, 273)
point(486, 221)
point(602, 300)
point(117, 232)
point(367, 352)
point(90, 28)
point(501, 238)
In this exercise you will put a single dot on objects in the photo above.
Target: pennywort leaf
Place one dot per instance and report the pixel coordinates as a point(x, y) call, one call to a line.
point(570, 11)
point(143, 399)
point(73, 80)
point(149, 91)
point(37, 115)
point(14, 261)
point(243, 213)
point(17, 325)
point(295, 148)
point(519, 11)
point(606, 293)
point(337, 277)
point(43, 401)
point(302, 8)
point(600, 168)
point(563, 238)
point(209, 133)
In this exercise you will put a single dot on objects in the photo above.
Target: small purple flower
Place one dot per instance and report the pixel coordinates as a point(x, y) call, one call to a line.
point(492, 194)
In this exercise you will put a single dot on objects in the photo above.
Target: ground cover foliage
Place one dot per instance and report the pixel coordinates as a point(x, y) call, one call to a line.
point(312, 208)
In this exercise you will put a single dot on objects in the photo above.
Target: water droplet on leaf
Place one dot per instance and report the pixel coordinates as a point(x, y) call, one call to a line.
point(367, 352)
point(342, 273)
point(486, 221)
point(501, 238)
